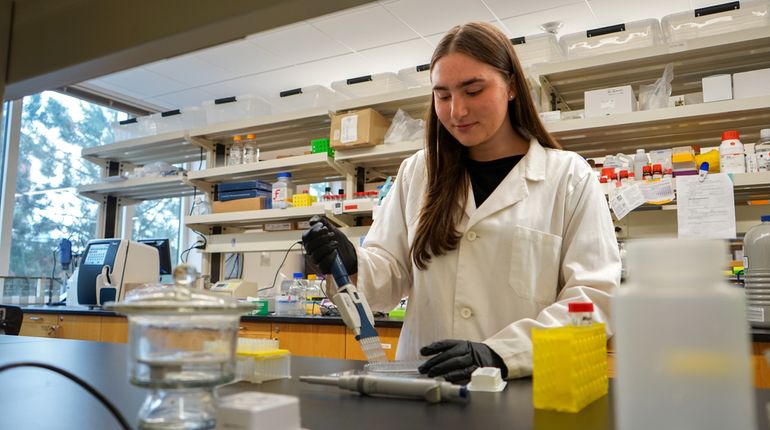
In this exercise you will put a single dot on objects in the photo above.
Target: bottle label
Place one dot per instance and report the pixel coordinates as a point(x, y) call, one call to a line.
point(763, 160)
point(732, 163)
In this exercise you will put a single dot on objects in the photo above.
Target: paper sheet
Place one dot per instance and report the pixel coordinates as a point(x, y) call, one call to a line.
point(624, 200)
point(658, 191)
point(705, 210)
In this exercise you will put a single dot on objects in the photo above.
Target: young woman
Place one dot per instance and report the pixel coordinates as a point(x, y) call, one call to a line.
point(490, 230)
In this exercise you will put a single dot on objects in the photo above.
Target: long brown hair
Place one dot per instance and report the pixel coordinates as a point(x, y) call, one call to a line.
point(448, 180)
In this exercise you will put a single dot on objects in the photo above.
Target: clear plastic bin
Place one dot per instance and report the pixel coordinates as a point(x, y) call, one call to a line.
point(416, 76)
point(537, 48)
point(717, 19)
point(179, 119)
point(369, 85)
point(234, 108)
point(621, 37)
point(126, 129)
point(309, 97)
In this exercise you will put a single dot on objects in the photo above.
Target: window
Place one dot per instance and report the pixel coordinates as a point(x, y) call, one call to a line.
point(54, 129)
point(159, 219)
point(4, 124)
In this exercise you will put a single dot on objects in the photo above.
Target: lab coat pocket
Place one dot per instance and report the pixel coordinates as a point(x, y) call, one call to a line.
point(535, 263)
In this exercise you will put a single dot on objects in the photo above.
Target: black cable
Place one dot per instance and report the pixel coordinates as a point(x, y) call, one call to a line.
point(99, 396)
point(195, 189)
point(299, 242)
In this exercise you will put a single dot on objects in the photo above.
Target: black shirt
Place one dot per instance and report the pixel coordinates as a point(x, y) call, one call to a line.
point(486, 175)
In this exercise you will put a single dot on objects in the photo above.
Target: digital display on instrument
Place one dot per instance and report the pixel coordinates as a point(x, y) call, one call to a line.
point(96, 254)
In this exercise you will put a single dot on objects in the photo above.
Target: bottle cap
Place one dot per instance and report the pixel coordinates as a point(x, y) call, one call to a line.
point(311, 277)
point(765, 218)
point(237, 138)
point(297, 275)
point(640, 151)
point(250, 136)
point(646, 169)
point(580, 307)
point(284, 175)
point(730, 134)
point(657, 167)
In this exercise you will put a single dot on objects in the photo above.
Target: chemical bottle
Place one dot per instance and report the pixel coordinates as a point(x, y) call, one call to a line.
point(731, 158)
point(250, 150)
point(282, 190)
point(756, 263)
point(762, 150)
point(296, 294)
point(657, 171)
point(328, 198)
point(236, 152)
point(646, 173)
point(681, 340)
point(640, 160)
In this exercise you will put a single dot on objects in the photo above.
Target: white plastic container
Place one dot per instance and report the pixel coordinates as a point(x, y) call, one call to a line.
point(282, 191)
point(756, 262)
point(369, 85)
point(731, 157)
point(762, 150)
point(416, 76)
point(681, 340)
point(234, 108)
point(127, 129)
point(537, 48)
point(640, 160)
point(713, 20)
point(313, 96)
point(616, 38)
point(179, 119)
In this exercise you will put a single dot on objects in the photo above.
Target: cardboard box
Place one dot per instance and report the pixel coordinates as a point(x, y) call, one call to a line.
point(358, 129)
point(754, 83)
point(609, 101)
point(717, 87)
point(239, 205)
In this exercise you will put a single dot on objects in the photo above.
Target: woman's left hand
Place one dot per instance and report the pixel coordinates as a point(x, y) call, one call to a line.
point(457, 359)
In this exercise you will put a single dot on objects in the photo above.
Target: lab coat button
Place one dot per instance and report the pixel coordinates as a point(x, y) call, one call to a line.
point(466, 313)
point(471, 235)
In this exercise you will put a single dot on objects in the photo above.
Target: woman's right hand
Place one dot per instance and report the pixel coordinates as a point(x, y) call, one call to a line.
point(323, 240)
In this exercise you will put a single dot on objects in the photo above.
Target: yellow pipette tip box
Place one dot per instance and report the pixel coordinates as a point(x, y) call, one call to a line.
point(569, 367)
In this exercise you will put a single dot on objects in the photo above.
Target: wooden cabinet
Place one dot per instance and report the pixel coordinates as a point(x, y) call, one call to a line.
point(327, 341)
point(40, 325)
point(114, 329)
point(80, 327)
point(388, 338)
point(255, 330)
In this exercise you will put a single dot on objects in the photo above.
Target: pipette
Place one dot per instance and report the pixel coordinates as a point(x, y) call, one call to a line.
point(356, 314)
point(431, 390)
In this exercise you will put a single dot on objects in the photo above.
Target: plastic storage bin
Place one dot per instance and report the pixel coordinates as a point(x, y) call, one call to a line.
point(369, 85)
point(127, 129)
point(718, 19)
point(538, 48)
point(302, 98)
point(637, 34)
point(179, 119)
point(416, 76)
point(234, 108)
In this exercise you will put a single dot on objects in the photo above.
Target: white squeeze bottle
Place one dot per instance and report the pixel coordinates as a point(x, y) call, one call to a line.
point(731, 158)
point(640, 160)
point(762, 150)
point(681, 340)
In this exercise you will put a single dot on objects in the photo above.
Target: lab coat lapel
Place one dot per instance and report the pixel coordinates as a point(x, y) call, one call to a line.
point(513, 189)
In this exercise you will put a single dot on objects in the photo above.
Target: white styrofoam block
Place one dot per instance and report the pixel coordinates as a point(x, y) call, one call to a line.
point(753, 83)
point(609, 101)
point(717, 87)
point(253, 410)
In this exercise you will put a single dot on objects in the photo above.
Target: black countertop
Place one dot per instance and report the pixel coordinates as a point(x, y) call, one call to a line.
point(310, 319)
point(33, 398)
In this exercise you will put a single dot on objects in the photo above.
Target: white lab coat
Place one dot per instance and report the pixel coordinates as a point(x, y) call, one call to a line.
point(543, 238)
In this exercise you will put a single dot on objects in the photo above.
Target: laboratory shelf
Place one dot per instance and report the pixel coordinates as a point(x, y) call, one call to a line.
point(267, 241)
point(693, 59)
point(255, 219)
point(385, 158)
point(700, 124)
point(304, 169)
point(170, 147)
point(414, 101)
point(139, 189)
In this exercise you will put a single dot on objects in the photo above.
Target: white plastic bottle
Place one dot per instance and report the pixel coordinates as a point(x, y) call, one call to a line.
point(762, 150)
point(236, 152)
point(731, 157)
point(640, 160)
point(282, 191)
point(297, 292)
point(681, 340)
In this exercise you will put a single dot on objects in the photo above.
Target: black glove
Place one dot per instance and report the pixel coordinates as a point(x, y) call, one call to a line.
point(457, 359)
point(322, 239)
